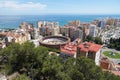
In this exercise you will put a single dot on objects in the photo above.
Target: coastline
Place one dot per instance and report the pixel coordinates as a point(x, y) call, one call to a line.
point(13, 21)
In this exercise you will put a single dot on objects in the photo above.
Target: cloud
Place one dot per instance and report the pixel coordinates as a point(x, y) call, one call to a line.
point(22, 6)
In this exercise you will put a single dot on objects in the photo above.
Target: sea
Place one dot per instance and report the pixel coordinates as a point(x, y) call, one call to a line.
point(14, 21)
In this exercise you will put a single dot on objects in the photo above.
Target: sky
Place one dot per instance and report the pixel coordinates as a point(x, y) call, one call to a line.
point(41, 7)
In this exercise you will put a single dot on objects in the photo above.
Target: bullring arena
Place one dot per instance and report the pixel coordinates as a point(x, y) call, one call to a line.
point(54, 41)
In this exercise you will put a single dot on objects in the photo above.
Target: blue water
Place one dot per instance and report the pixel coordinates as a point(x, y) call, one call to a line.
point(10, 21)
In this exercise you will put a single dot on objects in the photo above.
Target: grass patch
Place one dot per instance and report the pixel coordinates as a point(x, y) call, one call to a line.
point(111, 54)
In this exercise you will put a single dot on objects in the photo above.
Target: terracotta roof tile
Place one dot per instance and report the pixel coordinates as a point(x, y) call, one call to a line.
point(69, 49)
point(89, 46)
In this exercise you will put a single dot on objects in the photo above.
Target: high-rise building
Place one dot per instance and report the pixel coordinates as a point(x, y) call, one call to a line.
point(93, 30)
point(78, 34)
point(118, 23)
point(75, 33)
point(64, 31)
point(71, 32)
point(43, 31)
point(23, 25)
point(101, 24)
point(75, 23)
point(110, 21)
point(55, 31)
point(85, 28)
point(26, 26)
point(56, 24)
point(48, 28)
point(39, 24)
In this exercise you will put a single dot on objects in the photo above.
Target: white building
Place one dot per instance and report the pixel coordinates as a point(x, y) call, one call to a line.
point(93, 30)
point(3, 77)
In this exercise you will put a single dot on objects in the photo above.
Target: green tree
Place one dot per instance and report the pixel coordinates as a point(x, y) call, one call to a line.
point(26, 56)
point(41, 66)
point(51, 67)
point(22, 77)
point(89, 69)
point(63, 76)
point(11, 52)
point(71, 70)
point(77, 75)
point(114, 43)
point(89, 38)
point(98, 40)
point(110, 76)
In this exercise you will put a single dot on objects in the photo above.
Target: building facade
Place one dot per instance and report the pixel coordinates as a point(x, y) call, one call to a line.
point(48, 28)
point(93, 30)
point(90, 50)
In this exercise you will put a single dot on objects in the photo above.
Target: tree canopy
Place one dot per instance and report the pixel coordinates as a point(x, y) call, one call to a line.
point(21, 77)
point(97, 40)
point(114, 43)
point(35, 63)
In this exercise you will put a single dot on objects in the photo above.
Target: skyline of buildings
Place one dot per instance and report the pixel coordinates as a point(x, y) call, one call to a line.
point(40, 40)
point(68, 39)
point(74, 29)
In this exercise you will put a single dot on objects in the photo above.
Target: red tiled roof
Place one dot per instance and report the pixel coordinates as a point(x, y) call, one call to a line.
point(69, 49)
point(84, 50)
point(89, 46)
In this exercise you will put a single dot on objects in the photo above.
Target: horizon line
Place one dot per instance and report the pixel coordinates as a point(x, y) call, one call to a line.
point(51, 14)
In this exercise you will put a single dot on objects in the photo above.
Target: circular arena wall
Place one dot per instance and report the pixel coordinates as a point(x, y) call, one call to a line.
point(54, 41)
